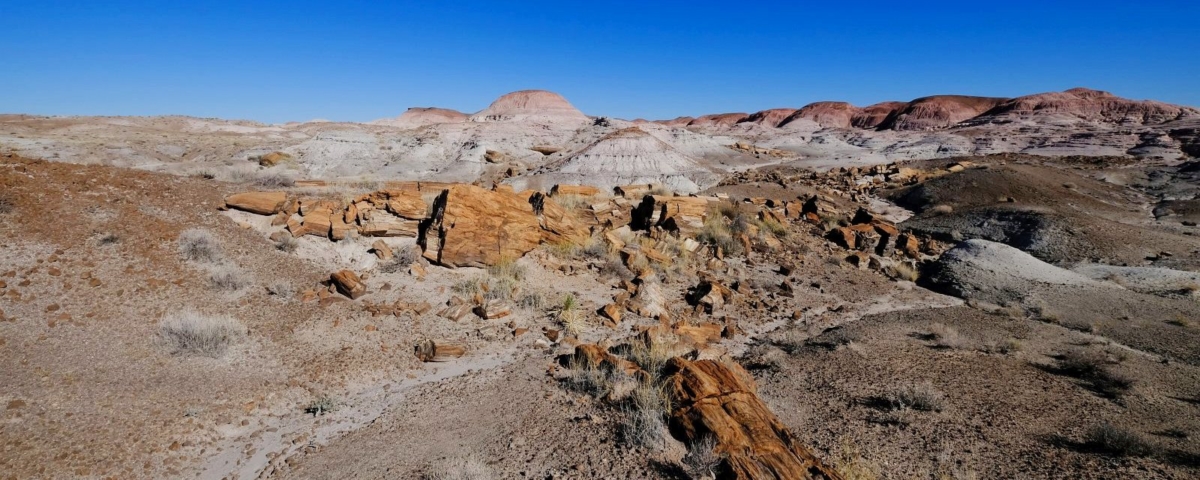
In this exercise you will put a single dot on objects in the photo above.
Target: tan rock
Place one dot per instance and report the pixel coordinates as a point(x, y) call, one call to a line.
point(493, 309)
point(431, 351)
point(382, 250)
point(262, 203)
point(580, 190)
point(407, 204)
point(272, 159)
point(720, 399)
point(472, 226)
point(558, 224)
point(612, 312)
point(380, 223)
point(348, 283)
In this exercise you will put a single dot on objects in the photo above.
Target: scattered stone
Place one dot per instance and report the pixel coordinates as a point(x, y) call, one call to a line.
point(493, 309)
point(382, 250)
point(262, 203)
point(348, 283)
point(430, 351)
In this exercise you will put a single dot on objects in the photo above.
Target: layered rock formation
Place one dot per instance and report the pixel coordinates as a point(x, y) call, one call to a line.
point(420, 116)
point(530, 106)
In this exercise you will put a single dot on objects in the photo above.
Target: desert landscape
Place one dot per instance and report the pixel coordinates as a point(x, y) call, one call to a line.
point(950, 287)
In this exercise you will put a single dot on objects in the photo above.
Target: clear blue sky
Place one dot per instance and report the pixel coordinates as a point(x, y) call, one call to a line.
point(278, 61)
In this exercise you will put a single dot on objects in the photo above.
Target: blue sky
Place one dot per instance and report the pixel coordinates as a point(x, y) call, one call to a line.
point(277, 61)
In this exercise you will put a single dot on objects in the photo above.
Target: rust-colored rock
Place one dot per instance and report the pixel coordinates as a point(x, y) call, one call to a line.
point(382, 250)
point(581, 190)
point(348, 283)
point(431, 351)
point(272, 159)
point(558, 224)
point(379, 223)
point(472, 226)
point(493, 309)
point(612, 312)
point(719, 399)
point(262, 203)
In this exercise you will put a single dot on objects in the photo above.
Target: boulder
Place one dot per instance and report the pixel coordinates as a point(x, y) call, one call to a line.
point(406, 204)
point(272, 159)
point(472, 226)
point(262, 203)
point(558, 224)
point(612, 312)
point(680, 214)
point(493, 309)
point(720, 399)
point(348, 283)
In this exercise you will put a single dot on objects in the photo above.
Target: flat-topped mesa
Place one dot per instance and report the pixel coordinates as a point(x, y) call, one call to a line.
point(421, 116)
point(531, 106)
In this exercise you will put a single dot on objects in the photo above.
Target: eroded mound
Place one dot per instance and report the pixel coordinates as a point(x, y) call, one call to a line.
point(530, 105)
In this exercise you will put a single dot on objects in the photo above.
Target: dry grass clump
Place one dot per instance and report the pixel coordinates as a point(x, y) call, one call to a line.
point(198, 245)
point(589, 379)
point(717, 232)
point(702, 459)
point(921, 397)
point(852, 466)
point(533, 300)
point(281, 290)
point(643, 416)
point(228, 278)
point(287, 243)
point(945, 336)
point(773, 227)
point(321, 405)
point(274, 179)
point(188, 332)
point(570, 315)
point(1093, 366)
point(942, 209)
point(571, 201)
point(905, 271)
point(1117, 441)
point(507, 268)
point(459, 468)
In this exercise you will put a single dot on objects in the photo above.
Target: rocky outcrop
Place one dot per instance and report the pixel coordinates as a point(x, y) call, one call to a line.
point(421, 116)
point(719, 399)
point(531, 106)
point(825, 114)
point(872, 116)
point(1092, 105)
point(472, 226)
point(718, 120)
point(938, 112)
point(679, 214)
point(770, 118)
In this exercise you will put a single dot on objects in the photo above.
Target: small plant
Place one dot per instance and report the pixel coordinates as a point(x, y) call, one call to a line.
point(108, 239)
point(702, 459)
point(470, 286)
point(773, 227)
point(1180, 322)
point(945, 336)
point(588, 379)
point(532, 301)
point(851, 464)
point(905, 271)
point(287, 243)
point(921, 397)
point(228, 278)
point(507, 268)
point(459, 468)
point(198, 245)
point(643, 427)
point(572, 201)
point(570, 316)
point(653, 353)
point(321, 405)
point(274, 179)
point(1117, 441)
point(281, 290)
point(190, 333)
point(942, 209)
point(1093, 366)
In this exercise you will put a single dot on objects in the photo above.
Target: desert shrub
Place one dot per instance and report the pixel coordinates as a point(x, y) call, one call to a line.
point(1114, 440)
point(716, 232)
point(702, 459)
point(774, 228)
point(459, 468)
point(570, 316)
point(613, 267)
point(321, 405)
point(502, 288)
point(507, 268)
point(532, 301)
point(188, 332)
point(642, 417)
point(945, 336)
point(108, 239)
point(572, 201)
point(653, 354)
point(905, 271)
point(1092, 366)
point(595, 249)
point(199, 245)
point(228, 278)
point(852, 466)
point(281, 289)
point(402, 258)
point(287, 243)
point(274, 179)
point(922, 397)
point(469, 287)
point(588, 379)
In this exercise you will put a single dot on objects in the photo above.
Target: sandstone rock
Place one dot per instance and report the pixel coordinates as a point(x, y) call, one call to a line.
point(417, 270)
point(455, 312)
point(272, 159)
point(636, 191)
point(592, 356)
point(558, 224)
point(580, 190)
point(379, 223)
point(430, 351)
point(681, 214)
point(720, 399)
point(382, 250)
point(348, 283)
point(612, 312)
point(262, 203)
point(471, 226)
point(493, 309)
point(406, 204)
point(908, 243)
